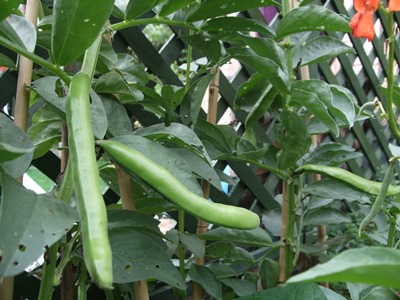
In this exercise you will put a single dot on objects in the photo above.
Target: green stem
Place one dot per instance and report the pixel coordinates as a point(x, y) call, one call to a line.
point(82, 287)
point(282, 174)
point(138, 22)
point(64, 260)
point(36, 59)
point(181, 228)
point(188, 63)
point(49, 269)
point(290, 227)
point(390, 80)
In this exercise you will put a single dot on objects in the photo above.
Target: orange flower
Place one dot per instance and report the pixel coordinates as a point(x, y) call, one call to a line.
point(362, 23)
point(394, 5)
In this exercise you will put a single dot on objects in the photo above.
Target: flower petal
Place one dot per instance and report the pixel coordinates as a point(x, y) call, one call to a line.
point(359, 5)
point(394, 5)
point(364, 27)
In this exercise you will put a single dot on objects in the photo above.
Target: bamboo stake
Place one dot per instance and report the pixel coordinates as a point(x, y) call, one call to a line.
point(202, 226)
point(21, 115)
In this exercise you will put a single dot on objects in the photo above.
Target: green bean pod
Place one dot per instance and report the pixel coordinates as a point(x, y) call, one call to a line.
point(368, 186)
point(92, 210)
point(168, 185)
point(376, 207)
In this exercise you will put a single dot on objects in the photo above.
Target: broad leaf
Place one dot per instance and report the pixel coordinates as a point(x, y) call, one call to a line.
point(250, 92)
point(325, 216)
point(241, 287)
point(344, 102)
point(332, 154)
point(331, 295)
point(229, 252)
point(119, 122)
point(372, 265)
point(77, 23)
point(139, 256)
point(321, 48)
point(7, 62)
point(236, 24)
point(289, 292)
point(191, 103)
point(269, 273)
point(201, 42)
point(265, 66)
point(192, 243)
point(136, 8)
point(170, 6)
point(287, 134)
point(214, 8)
point(203, 276)
point(98, 116)
point(7, 7)
point(10, 152)
point(45, 220)
point(13, 136)
point(255, 237)
point(20, 31)
point(131, 70)
point(311, 18)
point(332, 189)
point(45, 135)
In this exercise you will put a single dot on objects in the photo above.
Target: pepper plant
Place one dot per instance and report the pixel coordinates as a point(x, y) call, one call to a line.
point(133, 144)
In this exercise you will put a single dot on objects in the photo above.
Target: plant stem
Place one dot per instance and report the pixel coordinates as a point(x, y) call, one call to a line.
point(282, 174)
point(49, 270)
point(36, 59)
point(138, 22)
point(290, 228)
point(90, 59)
point(390, 80)
point(392, 231)
point(82, 287)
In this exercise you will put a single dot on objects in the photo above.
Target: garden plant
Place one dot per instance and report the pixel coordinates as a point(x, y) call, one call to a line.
point(122, 144)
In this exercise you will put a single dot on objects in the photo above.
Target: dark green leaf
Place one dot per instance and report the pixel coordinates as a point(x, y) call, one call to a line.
point(136, 8)
point(10, 152)
point(214, 8)
point(170, 6)
point(139, 256)
point(229, 252)
point(77, 23)
point(289, 292)
point(255, 237)
point(192, 243)
point(208, 47)
point(98, 116)
point(152, 206)
point(45, 220)
point(45, 135)
point(117, 116)
point(331, 295)
point(222, 270)
point(332, 189)
point(241, 287)
point(191, 103)
point(269, 273)
point(13, 136)
point(7, 7)
point(19, 31)
point(265, 66)
point(319, 49)
point(46, 88)
point(311, 18)
point(287, 134)
point(236, 24)
point(332, 154)
point(203, 276)
point(381, 292)
point(6, 61)
point(130, 69)
point(249, 93)
point(325, 216)
point(372, 265)
point(345, 105)
point(132, 220)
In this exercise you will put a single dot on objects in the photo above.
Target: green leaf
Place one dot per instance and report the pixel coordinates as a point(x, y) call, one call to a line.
point(138, 256)
point(315, 95)
point(7, 62)
point(325, 216)
point(170, 6)
point(222, 270)
point(14, 137)
point(136, 8)
point(7, 7)
point(132, 220)
point(241, 287)
point(191, 103)
point(192, 243)
point(332, 154)
point(130, 69)
point(214, 8)
point(236, 24)
point(344, 103)
point(265, 66)
point(203, 276)
point(45, 220)
point(229, 252)
point(98, 116)
point(381, 292)
point(269, 273)
point(331, 295)
point(45, 135)
point(20, 31)
point(152, 206)
point(10, 152)
point(332, 189)
point(311, 18)
point(319, 49)
point(119, 122)
point(46, 88)
point(289, 292)
point(211, 48)
point(372, 265)
point(250, 92)
point(77, 23)
point(254, 237)
point(287, 134)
